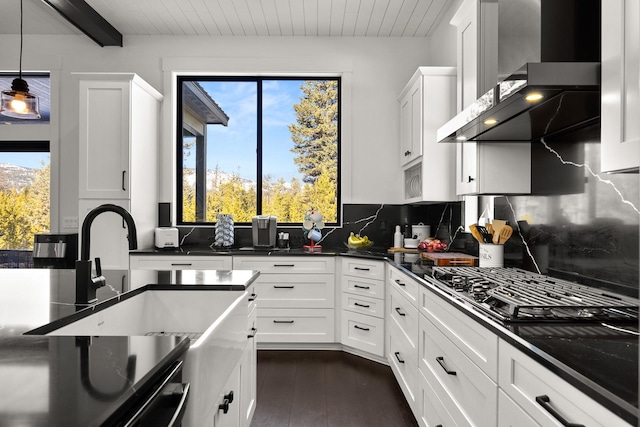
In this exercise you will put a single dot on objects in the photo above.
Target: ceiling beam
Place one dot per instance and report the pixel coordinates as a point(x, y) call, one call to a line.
point(87, 20)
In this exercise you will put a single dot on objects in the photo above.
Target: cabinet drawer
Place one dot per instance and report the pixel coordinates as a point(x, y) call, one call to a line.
point(363, 305)
point(404, 315)
point(511, 415)
point(296, 291)
point(525, 381)
point(363, 268)
point(363, 286)
point(363, 332)
point(285, 264)
point(405, 284)
point(477, 342)
point(403, 360)
point(475, 393)
point(295, 325)
point(166, 262)
point(434, 405)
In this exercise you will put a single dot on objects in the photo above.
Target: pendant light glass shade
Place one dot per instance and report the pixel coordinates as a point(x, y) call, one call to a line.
point(19, 103)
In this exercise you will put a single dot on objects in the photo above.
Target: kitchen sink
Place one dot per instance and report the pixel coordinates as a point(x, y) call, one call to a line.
point(214, 320)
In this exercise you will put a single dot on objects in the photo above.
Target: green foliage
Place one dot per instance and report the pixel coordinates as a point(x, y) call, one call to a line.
point(25, 212)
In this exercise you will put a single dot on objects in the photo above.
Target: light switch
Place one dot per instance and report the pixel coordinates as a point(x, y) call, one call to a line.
point(70, 222)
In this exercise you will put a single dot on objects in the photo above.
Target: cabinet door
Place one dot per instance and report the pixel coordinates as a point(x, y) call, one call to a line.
point(620, 128)
point(410, 123)
point(248, 367)
point(511, 415)
point(230, 418)
point(104, 139)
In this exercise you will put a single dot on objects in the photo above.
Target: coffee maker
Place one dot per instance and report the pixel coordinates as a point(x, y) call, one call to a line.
point(263, 228)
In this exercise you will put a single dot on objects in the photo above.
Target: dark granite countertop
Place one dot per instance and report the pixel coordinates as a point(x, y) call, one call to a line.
point(81, 381)
point(600, 361)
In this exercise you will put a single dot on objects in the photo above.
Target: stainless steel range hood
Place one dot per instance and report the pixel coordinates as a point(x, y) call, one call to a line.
point(558, 43)
point(566, 97)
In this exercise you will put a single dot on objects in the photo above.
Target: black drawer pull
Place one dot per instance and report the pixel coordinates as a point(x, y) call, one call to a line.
point(124, 173)
point(399, 282)
point(361, 287)
point(283, 286)
point(400, 312)
point(253, 333)
point(252, 297)
point(228, 398)
point(545, 402)
point(439, 425)
point(181, 264)
point(283, 321)
point(361, 305)
point(361, 268)
point(440, 360)
point(284, 265)
point(361, 328)
point(397, 354)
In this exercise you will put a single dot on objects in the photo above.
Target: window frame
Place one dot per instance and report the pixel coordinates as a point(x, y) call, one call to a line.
point(259, 79)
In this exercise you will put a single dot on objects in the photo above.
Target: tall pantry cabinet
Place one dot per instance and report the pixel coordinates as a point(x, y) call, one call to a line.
point(118, 144)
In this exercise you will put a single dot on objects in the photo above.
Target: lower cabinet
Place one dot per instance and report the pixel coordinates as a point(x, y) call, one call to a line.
point(512, 415)
point(248, 368)
point(545, 397)
point(295, 325)
point(227, 413)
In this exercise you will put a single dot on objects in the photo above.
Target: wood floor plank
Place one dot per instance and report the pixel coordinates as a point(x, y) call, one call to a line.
point(327, 388)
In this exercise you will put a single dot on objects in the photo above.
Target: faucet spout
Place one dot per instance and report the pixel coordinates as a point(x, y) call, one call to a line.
point(86, 283)
point(86, 228)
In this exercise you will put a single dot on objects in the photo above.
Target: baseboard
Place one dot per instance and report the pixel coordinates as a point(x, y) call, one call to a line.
point(323, 346)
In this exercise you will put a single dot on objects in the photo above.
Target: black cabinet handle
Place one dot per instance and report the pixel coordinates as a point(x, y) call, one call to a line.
point(399, 282)
point(469, 179)
point(361, 269)
point(283, 321)
point(123, 178)
point(440, 360)
point(439, 425)
point(228, 398)
point(283, 286)
point(361, 305)
point(360, 287)
point(407, 153)
point(284, 265)
point(397, 354)
point(253, 333)
point(361, 328)
point(545, 402)
point(181, 264)
point(400, 312)
point(252, 297)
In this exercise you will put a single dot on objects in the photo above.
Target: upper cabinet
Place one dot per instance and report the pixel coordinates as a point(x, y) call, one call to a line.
point(427, 102)
point(480, 168)
point(118, 128)
point(620, 127)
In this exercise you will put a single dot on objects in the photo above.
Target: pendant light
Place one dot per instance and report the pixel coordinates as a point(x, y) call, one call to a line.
point(18, 102)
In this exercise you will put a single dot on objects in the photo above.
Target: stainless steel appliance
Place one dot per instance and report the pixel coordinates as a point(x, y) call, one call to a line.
point(263, 229)
point(55, 250)
point(515, 295)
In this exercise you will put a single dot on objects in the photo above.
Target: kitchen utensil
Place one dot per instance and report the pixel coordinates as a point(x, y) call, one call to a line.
point(490, 228)
point(486, 236)
point(505, 234)
point(497, 224)
point(476, 233)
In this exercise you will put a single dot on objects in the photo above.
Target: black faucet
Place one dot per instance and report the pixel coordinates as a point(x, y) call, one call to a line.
point(86, 283)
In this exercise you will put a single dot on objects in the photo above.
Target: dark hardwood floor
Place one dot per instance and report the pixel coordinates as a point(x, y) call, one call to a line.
point(327, 388)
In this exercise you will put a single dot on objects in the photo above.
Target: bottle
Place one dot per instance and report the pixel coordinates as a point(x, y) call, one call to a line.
point(397, 238)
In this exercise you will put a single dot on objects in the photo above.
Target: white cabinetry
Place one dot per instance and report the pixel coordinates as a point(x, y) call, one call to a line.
point(480, 167)
point(458, 361)
point(362, 298)
point(118, 161)
point(545, 397)
point(297, 297)
point(620, 127)
point(402, 333)
point(248, 367)
point(180, 262)
point(426, 103)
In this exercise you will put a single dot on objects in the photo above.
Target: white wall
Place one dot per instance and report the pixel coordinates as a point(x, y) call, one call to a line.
point(378, 69)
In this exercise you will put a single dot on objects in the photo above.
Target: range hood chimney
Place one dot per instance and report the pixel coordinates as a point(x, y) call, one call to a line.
point(557, 87)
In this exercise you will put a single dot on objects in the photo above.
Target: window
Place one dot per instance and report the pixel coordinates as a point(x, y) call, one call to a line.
point(258, 145)
point(24, 193)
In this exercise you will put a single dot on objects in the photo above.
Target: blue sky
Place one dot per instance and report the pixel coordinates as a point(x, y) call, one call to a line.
point(232, 148)
point(28, 160)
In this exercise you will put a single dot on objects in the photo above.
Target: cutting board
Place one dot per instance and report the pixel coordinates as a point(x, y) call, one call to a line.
point(405, 250)
point(449, 258)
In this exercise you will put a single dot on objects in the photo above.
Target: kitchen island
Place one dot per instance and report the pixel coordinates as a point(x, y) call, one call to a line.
point(80, 381)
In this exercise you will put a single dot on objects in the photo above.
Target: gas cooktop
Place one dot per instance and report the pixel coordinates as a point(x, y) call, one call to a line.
point(515, 295)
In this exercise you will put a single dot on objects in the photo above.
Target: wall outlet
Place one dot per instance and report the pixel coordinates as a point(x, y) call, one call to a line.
point(70, 222)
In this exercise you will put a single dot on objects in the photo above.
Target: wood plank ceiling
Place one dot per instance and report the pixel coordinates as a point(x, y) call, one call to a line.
point(273, 18)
